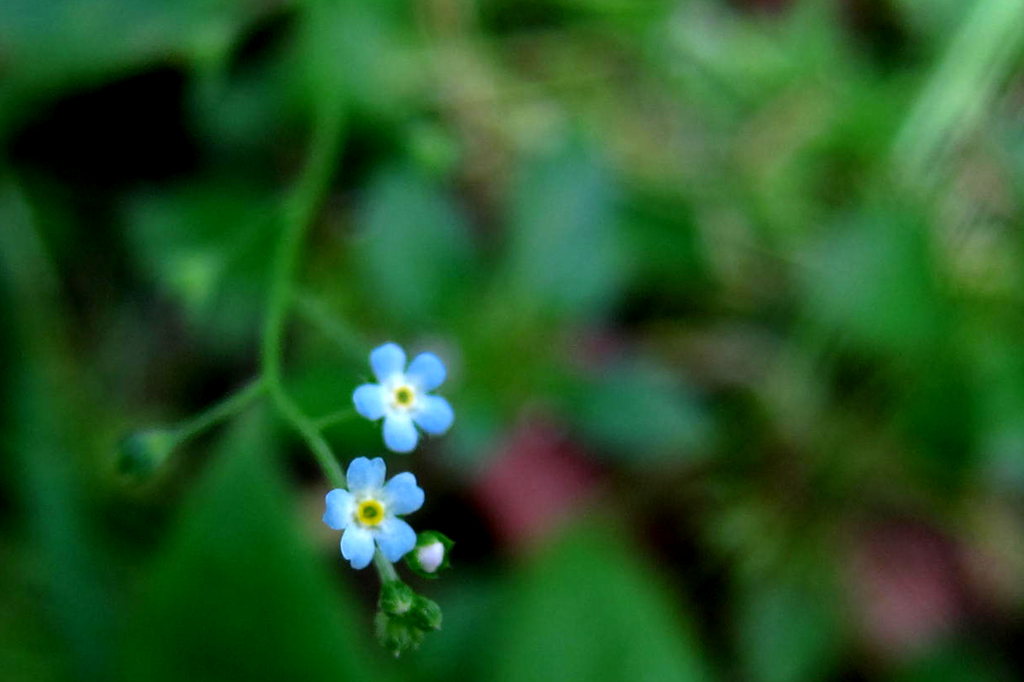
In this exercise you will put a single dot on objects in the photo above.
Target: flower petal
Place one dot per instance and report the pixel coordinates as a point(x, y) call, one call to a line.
point(387, 360)
point(427, 371)
point(403, 495)
point(339, 508)
point(395, 538)
point(365, 474)
point(357, 546)
point(370, 401)
point(434, 415)
point(400, 434)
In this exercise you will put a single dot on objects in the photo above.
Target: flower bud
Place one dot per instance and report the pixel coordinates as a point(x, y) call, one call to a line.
point(430, 555)
point(396, 598)
point(404, 617)
point(141, 453)
point(397, 634)
point(426, 614)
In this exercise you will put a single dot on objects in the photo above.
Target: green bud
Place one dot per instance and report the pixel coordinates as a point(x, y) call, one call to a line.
point(404, 617)
point(141, 453)
point(396, 598)
point(430, 555)
point(397, 634)
point(426, 614)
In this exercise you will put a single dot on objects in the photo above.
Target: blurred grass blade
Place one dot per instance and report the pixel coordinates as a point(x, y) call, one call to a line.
point(960, 91)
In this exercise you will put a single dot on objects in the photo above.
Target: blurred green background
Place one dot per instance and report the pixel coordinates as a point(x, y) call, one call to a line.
point(730, 295)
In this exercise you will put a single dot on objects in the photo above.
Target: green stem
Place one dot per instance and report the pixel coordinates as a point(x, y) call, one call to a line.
point(299, 208)
point(311, 434)
point(385, 569)
point(226, 408)
point(298, 213)
point(317, 313)
point(335, 418)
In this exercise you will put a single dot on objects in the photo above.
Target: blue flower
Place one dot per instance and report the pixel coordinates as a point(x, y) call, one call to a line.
point(368, 512)
point(402, 397)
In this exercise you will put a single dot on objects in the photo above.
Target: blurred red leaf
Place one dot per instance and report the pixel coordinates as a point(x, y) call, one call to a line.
point(538, 479)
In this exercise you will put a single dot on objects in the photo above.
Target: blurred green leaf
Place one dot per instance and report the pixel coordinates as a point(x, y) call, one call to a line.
point(30, 649)
point(665, 242)
point(245, 110)
point(342, 45)
point(934, 18)
point(956, 662)
point(873, 279)
point(589, 609)
point(788, 633)
point(50, 431)
point(564, 251)
point(939, 415)
point(999, 387)
point(237, 593)
point(642, 413)
point(50, 46)
point(481, 423)
point(413, 251)
point(456, 651)
point(206, 248)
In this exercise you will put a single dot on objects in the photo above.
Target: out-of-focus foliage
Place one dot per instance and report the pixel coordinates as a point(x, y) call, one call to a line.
point(739, 281)
point(414, 254)
point(237, 576)
point(591, 584)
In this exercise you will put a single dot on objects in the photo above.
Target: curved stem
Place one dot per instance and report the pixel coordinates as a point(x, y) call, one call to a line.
point(299, 208)
point(298, 213)
point(311, 434)
point(335, 418)
point(228, 407)
point(316, 312)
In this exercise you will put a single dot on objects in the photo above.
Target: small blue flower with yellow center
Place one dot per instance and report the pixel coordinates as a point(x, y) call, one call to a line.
point(368, 512)
point(402, 397)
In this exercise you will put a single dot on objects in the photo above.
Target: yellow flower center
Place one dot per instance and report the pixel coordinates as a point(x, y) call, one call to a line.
point(404, 396)
point(370, 512)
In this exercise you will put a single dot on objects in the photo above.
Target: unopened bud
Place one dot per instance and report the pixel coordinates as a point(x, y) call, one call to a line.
point(404, 617)
point(426, 614)
point(396, 598)
point(141, 453)
point(430, 555)
point(396, 634)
